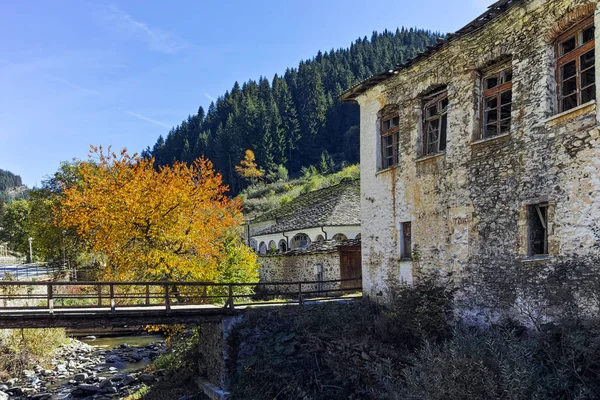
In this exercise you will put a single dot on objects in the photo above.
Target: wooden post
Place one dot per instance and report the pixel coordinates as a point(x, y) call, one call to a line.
point(50, 299)
point(167, 298)
point(112, 297)
point(147, 295)
point(99, 295)
point(300, 299)
point(230, 300)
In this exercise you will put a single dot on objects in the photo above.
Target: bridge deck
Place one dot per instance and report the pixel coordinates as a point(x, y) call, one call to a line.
point(104, 304)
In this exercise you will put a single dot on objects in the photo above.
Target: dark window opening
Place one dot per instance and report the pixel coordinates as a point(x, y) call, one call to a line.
point(406, 245)
point(576, 67)
point(435, 121)
point(497, 103)
point(390, 137)
point(537, 220)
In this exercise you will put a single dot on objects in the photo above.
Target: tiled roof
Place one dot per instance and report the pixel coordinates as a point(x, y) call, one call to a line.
point(337, 205)
point(493, 11)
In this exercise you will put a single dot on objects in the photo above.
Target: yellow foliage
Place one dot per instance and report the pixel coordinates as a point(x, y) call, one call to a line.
point(248, 168)
point(148, 224)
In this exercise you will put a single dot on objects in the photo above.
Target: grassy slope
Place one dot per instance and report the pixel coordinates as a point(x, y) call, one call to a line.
point(262, 197)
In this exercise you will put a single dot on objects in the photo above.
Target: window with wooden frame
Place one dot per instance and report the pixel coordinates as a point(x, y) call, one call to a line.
point(406, 244)
point(537, 227)
point(575, 66)
point(390, 137)
point(497, 101)
point(435, 121)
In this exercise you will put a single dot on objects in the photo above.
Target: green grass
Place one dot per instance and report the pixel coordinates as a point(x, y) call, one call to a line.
point(263, 197)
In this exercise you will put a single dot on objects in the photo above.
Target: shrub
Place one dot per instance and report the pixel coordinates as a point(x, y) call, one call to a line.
point(23, 348)
point(183, 355)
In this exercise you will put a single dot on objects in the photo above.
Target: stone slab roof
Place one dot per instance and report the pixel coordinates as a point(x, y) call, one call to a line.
point(329, 246)
point(337, 205)
point(493, 11)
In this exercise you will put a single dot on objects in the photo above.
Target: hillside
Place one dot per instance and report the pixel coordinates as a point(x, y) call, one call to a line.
point(293, 119)
point(261, 198)
point(11, 186)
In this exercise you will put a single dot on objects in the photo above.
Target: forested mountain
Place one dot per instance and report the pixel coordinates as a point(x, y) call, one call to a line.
point(11, 186)
point(294, 119)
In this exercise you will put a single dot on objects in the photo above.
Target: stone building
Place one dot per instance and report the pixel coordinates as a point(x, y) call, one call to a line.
point(314, 237)
point(481, 156)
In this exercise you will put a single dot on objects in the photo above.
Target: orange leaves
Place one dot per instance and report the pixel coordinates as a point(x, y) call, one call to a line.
point(149, 224)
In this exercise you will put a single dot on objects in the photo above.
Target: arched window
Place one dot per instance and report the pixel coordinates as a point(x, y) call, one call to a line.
point(272, 247)
point(282, 246)
point(262, 248)
point(575, 66)
point(389, 132)
point(319, 239)
point(338, 237)
point(300, 240)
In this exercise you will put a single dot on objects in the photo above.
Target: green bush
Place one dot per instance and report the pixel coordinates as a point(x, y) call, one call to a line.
point(183, 355)
point(24, 348)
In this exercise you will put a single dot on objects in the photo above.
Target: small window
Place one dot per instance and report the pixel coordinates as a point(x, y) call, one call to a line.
point(576, 71)
point(497, 102)
point(406, 243)
point(390, 136)
point(435, 121)
point(537, 221)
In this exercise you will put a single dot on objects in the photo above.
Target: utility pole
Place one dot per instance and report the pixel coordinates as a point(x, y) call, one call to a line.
point(30, 250)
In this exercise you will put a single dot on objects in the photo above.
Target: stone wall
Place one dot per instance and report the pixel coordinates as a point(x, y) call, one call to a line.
point(299, 268)
point(468, 205)
point(213, 357)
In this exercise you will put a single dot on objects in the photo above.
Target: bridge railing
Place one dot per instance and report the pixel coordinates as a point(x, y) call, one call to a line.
point(110, 296)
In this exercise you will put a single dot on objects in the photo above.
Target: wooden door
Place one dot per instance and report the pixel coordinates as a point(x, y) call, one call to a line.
point(350, 267)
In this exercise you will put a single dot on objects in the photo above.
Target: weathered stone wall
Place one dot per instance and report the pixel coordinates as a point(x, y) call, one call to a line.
point(213, 357)
point(468, 206)
point(299, 268)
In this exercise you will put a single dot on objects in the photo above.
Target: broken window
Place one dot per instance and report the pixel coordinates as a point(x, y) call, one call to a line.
point(435, 121)
point(497, 102)
point(537, 220)
point(576, 71)
point(390, 136)
point(406, 243)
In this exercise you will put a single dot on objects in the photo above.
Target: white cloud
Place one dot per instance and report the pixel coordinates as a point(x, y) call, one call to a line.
point(148, 119)
point(156, 39)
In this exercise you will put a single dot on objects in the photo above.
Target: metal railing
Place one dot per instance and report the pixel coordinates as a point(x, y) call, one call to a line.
point(112, 296)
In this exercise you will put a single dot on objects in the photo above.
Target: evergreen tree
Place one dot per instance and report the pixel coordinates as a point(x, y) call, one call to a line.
point(293, 120)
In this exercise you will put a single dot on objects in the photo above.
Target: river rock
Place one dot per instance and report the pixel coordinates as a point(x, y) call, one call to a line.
point(146, 377)
point(41, 396)
point(82, 377)
point(86, 389)
point(106, 383)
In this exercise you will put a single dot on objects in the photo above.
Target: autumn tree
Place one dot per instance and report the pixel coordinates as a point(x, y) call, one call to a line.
point(174, 223)
point(248, 168)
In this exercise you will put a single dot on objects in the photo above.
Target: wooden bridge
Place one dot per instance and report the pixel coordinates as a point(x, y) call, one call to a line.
point(110, 304)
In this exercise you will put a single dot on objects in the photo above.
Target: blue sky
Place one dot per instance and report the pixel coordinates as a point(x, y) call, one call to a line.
point(77, 72)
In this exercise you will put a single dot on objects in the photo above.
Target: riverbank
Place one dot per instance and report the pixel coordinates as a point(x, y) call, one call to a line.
point(90, 371)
